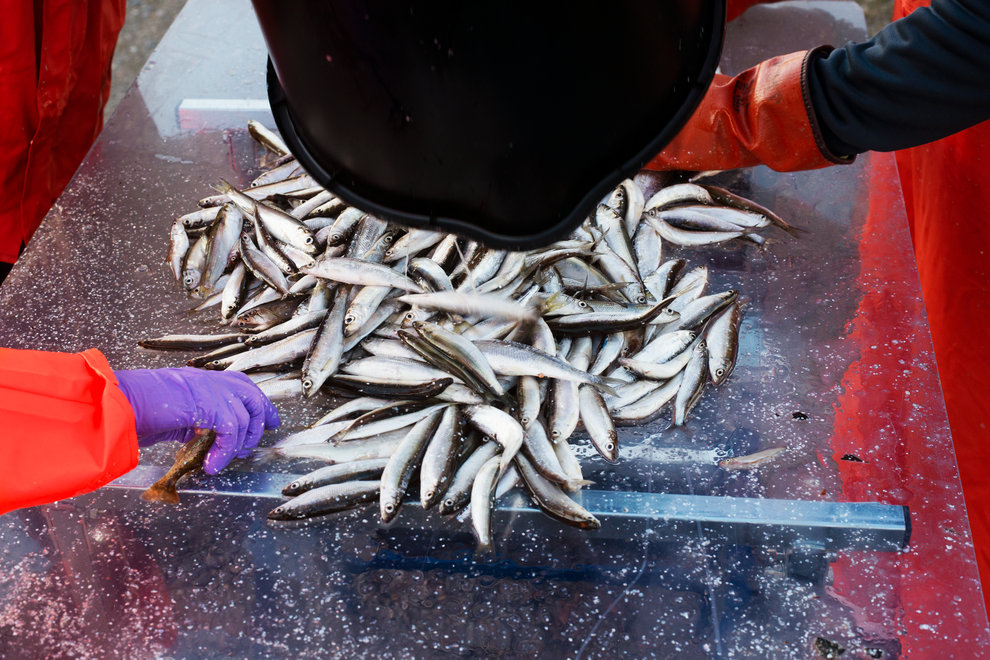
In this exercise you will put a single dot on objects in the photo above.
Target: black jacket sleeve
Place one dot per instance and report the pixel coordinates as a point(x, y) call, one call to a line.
point(919, 79)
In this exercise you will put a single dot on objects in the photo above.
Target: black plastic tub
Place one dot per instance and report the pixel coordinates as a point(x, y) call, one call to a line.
point(503, 121)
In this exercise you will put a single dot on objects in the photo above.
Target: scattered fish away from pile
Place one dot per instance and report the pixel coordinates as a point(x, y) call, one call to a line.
point(463, 369)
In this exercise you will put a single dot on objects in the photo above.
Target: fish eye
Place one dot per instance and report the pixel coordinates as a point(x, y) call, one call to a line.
point(349, 319)
point(719, 371)
point(641, 299)
point(389, 508)
point(555, 433)
point(307, 383)
point(389, 238)
point(410, 316)
point(610, 447)
point(582, 304)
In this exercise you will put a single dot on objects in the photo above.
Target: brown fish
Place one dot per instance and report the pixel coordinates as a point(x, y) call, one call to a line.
point(188, 459)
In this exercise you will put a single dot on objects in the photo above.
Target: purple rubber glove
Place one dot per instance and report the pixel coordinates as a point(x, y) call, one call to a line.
point(170, 403)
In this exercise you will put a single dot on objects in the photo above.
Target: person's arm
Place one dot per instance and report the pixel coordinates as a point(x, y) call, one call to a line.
point(760, 116)
point(67, 427)
point(920, 78)
point(71, 424)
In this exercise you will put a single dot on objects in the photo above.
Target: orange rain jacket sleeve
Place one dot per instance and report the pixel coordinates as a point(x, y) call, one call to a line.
point(54, 81)
point(67, 428)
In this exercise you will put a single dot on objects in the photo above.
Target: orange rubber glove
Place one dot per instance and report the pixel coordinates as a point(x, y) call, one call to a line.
point(762, 116)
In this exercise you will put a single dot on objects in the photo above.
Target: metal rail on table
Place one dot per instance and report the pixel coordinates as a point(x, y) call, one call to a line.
point(768, 522)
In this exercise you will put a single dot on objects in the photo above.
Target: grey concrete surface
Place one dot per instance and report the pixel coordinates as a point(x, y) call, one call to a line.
point(146, 22)
point(877, 12)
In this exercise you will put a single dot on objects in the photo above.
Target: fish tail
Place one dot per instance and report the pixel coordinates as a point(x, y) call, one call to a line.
point(792, 230)
point(505, 399)
point(162, 490)
point(265, 454)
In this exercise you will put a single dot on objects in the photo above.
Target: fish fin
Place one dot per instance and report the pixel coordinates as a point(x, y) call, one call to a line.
point(597, 235)
point(593, 245)
point(766, 243)
point(692, 177)
point(553, 302)
point(608, 385)
point(467, 268)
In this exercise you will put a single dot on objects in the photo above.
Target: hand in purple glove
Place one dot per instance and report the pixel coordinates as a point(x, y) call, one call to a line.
point(170, 403)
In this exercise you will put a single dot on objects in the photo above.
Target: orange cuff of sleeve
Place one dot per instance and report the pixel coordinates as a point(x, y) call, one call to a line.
point(762, 116)
point(68, 429)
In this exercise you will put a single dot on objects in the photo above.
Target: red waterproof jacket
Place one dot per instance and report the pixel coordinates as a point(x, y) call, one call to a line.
point(947, 196)
point(67, 428)
point(918, 81)
point(54, 81)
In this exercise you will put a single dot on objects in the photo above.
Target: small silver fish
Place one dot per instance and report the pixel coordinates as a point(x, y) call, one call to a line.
point(750, 461)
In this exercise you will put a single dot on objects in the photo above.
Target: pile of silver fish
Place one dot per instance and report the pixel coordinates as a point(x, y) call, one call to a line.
point(463, 368)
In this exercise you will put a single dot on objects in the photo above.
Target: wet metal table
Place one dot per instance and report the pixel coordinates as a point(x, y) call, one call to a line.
point(853, 540)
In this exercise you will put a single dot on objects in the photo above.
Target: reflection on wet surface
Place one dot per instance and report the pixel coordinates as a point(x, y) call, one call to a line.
point(110, 575)
point(191, 581)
